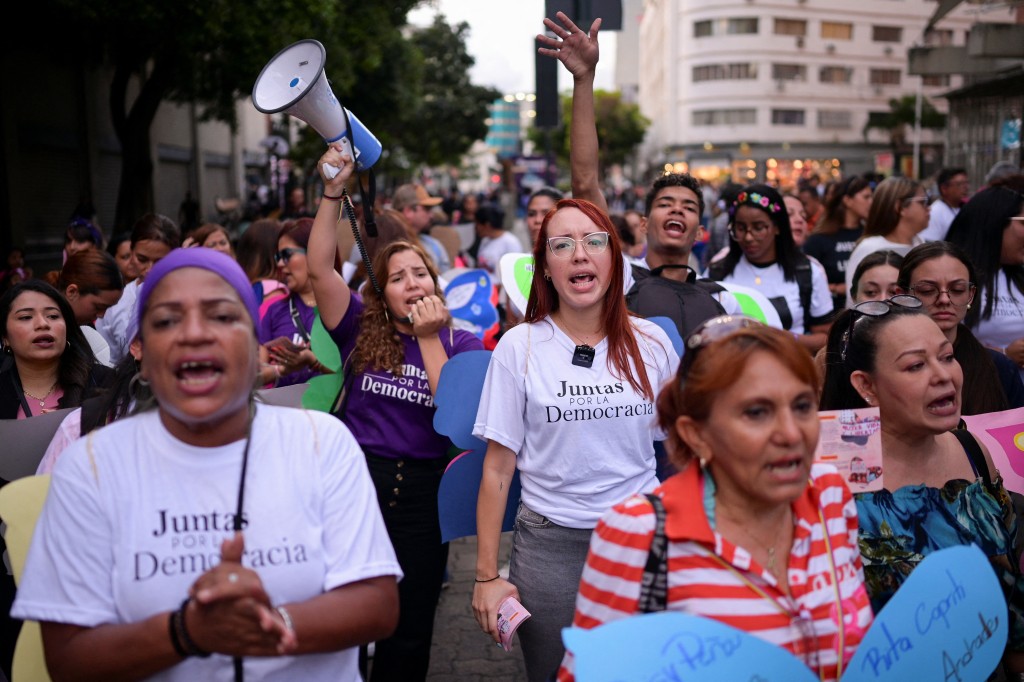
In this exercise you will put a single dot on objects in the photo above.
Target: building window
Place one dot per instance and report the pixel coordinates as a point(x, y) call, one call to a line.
point(938, 37)
point(835, 74)
point(835, 120)
point(702, 29)
point(788, 117)
point(886, 34)
point(741, 25)
point(790, 27)
point(879, 119)
point(836, 30)
point(884, 77)
point(936, 81)
point(789, 72)
point(722, 72)
point(716, 117)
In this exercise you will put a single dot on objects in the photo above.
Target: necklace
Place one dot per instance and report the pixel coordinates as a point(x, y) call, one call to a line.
point(583, 355)
point(42, 400)
point(770, 549)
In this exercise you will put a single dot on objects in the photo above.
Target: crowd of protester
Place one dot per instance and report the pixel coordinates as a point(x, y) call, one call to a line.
point(322, 531)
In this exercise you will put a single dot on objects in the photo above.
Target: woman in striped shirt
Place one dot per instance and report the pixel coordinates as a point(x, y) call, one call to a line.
point(758, 538)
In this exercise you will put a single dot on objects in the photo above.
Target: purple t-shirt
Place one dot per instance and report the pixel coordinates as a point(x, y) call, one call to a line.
point(278, 322)
point(394, 416)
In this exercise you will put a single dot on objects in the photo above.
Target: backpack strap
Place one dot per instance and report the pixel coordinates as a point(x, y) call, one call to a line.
point(805, 285)
point(654, 583)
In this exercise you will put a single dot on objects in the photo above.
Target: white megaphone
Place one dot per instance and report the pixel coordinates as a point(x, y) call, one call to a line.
point(294, 82)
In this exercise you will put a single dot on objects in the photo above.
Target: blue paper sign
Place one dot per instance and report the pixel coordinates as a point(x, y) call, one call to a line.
point(947, 622)
point(458, 398)
point(670, 328)
point(469, 296)
point(676, 646)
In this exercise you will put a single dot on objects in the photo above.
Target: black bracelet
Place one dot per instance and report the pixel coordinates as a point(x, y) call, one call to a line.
point(191, 648)
point(488, 580)
point(172, 628)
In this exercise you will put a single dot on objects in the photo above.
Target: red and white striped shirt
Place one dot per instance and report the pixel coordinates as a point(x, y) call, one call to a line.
point(711, 577)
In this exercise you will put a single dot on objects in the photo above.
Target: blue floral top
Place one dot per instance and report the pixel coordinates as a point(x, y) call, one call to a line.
point(899, 529)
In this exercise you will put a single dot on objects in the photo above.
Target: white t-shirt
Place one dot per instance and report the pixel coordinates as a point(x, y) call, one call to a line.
point(939, 220)
point(116, 320)
point(772, 282)
point(1006, 324)
point(491, 250)
point(584, 438)
point(134, 516)
point(867, 246)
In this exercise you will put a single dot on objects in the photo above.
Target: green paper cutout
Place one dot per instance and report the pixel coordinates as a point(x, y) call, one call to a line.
point(323, 389)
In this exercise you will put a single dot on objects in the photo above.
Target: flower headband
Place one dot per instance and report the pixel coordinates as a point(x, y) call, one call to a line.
point(759, 200)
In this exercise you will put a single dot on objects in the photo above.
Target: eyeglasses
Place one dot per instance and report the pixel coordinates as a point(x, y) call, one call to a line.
point(285, 255)
point(710, 331)
point(960, 293)
point(875, 309)
point(757, 230)
point(924, 200)
point(564, 247)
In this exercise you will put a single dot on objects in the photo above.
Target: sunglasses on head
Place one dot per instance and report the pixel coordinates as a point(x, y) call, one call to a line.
point(710, 331)
point(285, 255)
point(875, 309)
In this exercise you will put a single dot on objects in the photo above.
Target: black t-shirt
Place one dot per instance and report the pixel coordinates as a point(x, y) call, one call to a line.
point(833, 252)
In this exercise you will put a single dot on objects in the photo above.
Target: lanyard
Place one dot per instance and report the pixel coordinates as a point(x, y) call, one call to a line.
point(296, 320)
point(787, 612)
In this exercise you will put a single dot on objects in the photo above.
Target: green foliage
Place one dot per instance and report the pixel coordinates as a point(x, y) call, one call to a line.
point(901, 115)
point(620, 129)
point(451, 112)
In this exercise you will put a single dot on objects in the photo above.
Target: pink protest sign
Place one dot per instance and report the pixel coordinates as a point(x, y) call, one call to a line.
point(1003, 434)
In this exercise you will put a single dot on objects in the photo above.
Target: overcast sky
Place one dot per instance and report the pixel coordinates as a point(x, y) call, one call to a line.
point(502, 40)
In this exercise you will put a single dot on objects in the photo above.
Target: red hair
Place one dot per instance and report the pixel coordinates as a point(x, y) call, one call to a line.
point(543, 301)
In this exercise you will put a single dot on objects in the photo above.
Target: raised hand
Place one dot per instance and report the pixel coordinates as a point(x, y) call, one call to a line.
point(577, 50)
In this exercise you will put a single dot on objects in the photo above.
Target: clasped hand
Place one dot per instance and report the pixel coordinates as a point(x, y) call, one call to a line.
point(230, 613)
point(429, 316)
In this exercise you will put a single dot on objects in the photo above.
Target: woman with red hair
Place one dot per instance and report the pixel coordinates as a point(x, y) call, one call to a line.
point(569, 402)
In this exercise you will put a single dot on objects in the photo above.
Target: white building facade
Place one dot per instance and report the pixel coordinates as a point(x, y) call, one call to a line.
point(776, 90)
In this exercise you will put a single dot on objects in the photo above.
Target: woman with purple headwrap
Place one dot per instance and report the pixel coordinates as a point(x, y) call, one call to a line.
point(212, 532)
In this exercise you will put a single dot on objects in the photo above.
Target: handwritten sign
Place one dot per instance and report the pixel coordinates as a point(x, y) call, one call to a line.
point(1003, 435)
point(666, 646)
point(947, 622)
point(851, 441)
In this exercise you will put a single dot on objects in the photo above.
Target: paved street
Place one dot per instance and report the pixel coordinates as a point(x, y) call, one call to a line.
point(461, 651)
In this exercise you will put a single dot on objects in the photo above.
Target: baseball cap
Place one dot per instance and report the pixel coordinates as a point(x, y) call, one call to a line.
point(413, 195)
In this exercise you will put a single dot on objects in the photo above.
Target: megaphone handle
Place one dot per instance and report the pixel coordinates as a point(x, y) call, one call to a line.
point(346, 148)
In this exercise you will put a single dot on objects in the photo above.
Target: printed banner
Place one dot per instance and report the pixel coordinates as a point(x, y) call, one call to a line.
point(851, 441)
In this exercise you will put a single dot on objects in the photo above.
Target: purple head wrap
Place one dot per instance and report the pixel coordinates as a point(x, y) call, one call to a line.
point(206, 259)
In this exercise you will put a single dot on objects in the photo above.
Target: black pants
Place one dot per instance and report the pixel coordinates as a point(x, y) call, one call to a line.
point(407, 494)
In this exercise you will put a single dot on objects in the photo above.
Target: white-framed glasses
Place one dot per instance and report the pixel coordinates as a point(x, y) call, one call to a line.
point(564, 247)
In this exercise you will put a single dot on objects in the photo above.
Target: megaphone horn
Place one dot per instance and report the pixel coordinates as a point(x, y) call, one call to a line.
point(294, 82)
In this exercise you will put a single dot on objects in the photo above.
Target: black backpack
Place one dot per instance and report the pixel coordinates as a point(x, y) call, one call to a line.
point(686, 303)
point(803, 281)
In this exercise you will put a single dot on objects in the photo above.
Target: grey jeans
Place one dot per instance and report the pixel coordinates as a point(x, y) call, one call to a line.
point(547, 562)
